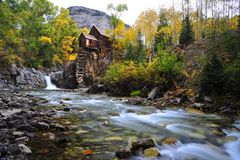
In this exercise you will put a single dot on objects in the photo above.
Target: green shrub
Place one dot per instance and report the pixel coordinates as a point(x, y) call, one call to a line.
point(122, 78)
point(136, 93)
point(168, 65)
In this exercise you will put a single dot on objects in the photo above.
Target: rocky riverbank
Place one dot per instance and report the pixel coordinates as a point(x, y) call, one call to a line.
point(20, 122)
point(186, 99)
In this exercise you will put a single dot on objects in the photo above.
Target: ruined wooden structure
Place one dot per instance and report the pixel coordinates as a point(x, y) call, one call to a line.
point(94, 55)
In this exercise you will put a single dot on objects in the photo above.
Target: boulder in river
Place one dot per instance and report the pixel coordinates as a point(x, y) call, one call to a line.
point(97, 88)
point(123, 154)
point(169, 141)
point(151, 152)
point(143, 143)
point(139, 147)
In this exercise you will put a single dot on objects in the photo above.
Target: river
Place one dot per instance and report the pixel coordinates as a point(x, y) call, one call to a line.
point(103, 124)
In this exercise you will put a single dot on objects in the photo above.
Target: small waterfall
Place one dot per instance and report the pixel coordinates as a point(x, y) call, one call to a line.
point(50, 86)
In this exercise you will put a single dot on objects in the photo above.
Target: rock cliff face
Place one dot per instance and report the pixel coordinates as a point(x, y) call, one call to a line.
point(86, 17)
point(14, 77)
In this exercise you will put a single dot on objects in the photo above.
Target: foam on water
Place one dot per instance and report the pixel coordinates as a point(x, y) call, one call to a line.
point(50, 85)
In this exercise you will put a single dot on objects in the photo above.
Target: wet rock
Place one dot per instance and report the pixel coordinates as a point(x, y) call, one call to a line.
point(59, 127)
point(113, 139)
point(227, 139)
point(143, 143)
point(169, 141)
point(66, 109)
point(113, 114)
point(123, 154)
point(22, 140)
point(151, 152)
point(3, 150)
point(14, 104)
point(30, 135)
point(6, 99)
point(3, 124)
point(41, 125)
point(18, 133)
point(135, 100)
point(67, 99)
point(2, 105)
point(63, 140)
point(97, 88)
point(80, 131)
point(24, 149)
point(50, 136)
point(131, 111)
point(65, 78)
point(10, 112)
point(219, 132)
point(25, 127)
point(15, 150)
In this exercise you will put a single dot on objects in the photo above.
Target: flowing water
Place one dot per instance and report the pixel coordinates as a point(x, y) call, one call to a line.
point(50, 85)
point(103, 125)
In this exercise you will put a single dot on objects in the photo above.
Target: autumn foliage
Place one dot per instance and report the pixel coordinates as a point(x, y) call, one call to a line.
point(38, 34)
point(125, 77)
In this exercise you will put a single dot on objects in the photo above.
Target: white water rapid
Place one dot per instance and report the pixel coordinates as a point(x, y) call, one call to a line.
point(50, 86)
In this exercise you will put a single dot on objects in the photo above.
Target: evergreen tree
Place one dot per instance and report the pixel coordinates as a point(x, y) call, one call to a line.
point(136, 53)
point(212, 77)
point(187, 33)
point(161, 39)
point(130, 52)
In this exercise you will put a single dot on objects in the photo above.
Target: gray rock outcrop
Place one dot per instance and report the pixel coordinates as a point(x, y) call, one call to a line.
point(66, 78)
point(86, 17)
point(15, 77)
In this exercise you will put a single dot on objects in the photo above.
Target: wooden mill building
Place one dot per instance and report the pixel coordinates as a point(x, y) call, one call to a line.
point(94, 55)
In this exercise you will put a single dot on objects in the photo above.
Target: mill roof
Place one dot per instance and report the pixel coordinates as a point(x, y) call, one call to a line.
point(90, 37)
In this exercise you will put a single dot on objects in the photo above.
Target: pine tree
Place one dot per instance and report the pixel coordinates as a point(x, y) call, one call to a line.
point(212, 79)
point(187, 33)
point(161, 39)
point(136, 53)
